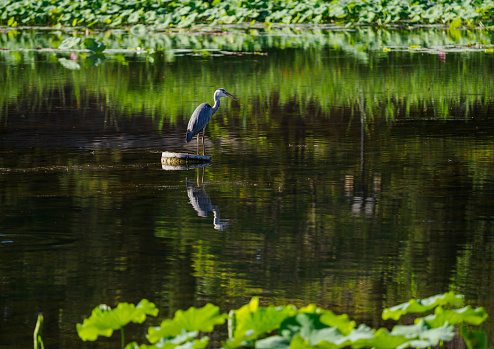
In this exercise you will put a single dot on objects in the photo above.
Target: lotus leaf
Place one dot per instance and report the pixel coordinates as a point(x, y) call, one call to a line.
point(360, 337)
point(273, 342)
point(305, 325)
point(185, 340)
point(422, 305)
point(411, 331)
point(305, 334)
point(385, 340)
point(421, 331)
point(415, 344)
point(308, 327)
point(103, 320)
point(251, 321)
point(134, 17)
point(69, 43)
point(342, 322)
point(194, 319)
point(474, 339)
point(94, 45)
point(436, 335)
point(456, 316)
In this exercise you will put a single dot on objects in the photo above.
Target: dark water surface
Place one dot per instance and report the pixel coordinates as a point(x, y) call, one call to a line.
point(351, 180)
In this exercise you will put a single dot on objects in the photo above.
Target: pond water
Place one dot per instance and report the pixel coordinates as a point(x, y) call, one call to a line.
point(344, 176)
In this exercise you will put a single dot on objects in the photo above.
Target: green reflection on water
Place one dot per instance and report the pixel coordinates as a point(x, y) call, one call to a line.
point(321, 71)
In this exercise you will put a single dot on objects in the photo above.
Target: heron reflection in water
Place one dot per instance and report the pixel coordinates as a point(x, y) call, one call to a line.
point(202, 115)
point(202, 204)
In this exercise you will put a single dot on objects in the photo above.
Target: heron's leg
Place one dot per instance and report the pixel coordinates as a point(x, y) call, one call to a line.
point(203, 149)
point(197, 144)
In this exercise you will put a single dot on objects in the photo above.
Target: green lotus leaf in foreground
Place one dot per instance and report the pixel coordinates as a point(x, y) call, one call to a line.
point(474, 339)
point(104, 320)
point(422, 305)
point(341, 322)
point(185, 340)
point(304, 333)
point(314, 324)
point(420, 333)
point(309, 327)
point(252, 321)
point(456, 316)
point(193, 319)
point(425, 337)
point(287, 327)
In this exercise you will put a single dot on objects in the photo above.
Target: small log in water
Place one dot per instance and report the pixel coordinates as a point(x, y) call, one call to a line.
point(169, 158)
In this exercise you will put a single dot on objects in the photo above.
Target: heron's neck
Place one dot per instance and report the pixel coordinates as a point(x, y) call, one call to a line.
point(216, 105)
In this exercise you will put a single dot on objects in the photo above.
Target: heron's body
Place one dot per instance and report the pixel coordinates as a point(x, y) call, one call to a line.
point(201, 117)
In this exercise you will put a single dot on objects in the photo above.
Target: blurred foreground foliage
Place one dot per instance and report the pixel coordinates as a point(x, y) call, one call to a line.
point(280, 327)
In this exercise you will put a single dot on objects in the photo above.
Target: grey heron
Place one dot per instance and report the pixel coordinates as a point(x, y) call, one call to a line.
point(201, 116)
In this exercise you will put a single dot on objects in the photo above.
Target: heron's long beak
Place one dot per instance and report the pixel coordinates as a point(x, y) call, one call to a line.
point(231, 96)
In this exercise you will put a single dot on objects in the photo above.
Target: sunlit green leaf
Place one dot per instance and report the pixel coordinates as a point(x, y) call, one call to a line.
point(436, 335)
point(251, 321)
point(384, 340)
point(298, 342)
point(456, 316)
point(341, 322)
point(308, 327)
point(103, 320)
point(273, 342)
point(304, 324)
point(360, 337)
point(132, 345)
point(185, 340)
point(194, 319)
point(409, 331)
point(422, 305)
point(421, 331)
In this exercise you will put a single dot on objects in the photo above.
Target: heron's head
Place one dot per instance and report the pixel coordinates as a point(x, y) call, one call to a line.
point(221, 92)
